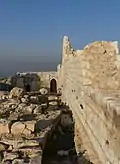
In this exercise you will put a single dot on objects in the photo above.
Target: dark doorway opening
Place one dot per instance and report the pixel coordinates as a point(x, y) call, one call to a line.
point(53, 86)
point(27, 88)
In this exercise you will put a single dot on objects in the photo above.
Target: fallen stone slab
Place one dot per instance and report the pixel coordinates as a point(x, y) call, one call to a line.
point(10, 139)
point(10, 156)
point(25, 144)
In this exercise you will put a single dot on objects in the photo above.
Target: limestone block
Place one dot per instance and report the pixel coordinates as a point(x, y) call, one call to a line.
point(17, 128)
point(17, 92)
point(30, 125)
point(24, 100)
point(4, 128)
point(26, 143)
point(43, 91)
point(31, 108)
point(38, 109)
point(10, 156)
point(26, 132)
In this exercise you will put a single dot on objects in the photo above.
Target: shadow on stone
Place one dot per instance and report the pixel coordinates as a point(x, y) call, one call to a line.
point(28, 117)
point(42, 124)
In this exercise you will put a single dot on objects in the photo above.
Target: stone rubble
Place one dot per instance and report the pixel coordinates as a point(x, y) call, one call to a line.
point(43, 91)
point(24, 122)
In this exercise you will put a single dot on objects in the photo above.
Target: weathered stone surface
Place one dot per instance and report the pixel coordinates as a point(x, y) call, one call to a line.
point(24, 131)
point(24, 100)
point(17, 92)
point(4, 128)
point(31, 108)
point(53, 103)
point(17, 161)
point(30, 125)
point(43, 91)
point(26, 143)
point(10, 156)
point(51, 98)
point(17, 127)
point(13, 116)
point(38, 109)
point(3, 147)
point(27, 131)
point(21, 106)
point(90, 85)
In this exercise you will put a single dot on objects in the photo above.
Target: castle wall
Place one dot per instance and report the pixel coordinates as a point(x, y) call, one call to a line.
point(90, 80)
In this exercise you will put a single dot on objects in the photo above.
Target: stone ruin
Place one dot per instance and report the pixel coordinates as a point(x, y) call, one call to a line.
point(30, 81)
point(25, 120)
point(27, 81)
point(88, 81)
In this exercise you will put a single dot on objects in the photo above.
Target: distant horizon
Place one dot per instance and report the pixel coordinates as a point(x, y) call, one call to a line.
point(31, 32)
point(35, 68)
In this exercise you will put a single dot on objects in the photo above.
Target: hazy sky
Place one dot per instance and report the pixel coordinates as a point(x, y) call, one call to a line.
point(31, 31)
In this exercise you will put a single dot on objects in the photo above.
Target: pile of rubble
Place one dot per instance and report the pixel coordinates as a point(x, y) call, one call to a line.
point(25, 120)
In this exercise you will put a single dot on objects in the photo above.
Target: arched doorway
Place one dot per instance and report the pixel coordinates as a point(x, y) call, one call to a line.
point(53, 86)
point(27, 88)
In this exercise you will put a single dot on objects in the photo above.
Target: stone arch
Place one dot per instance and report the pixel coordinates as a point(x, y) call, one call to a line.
point(53, 86)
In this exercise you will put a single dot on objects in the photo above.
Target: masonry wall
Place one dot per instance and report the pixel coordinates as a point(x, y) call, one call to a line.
point(46, 77)
point(35, 80)
point(90, 80)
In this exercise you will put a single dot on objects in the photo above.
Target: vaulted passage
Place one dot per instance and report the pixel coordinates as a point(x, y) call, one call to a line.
point(27, 88)
point(53, 86)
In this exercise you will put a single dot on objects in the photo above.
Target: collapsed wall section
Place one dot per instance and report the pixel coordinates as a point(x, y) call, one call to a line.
point(90, 80)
